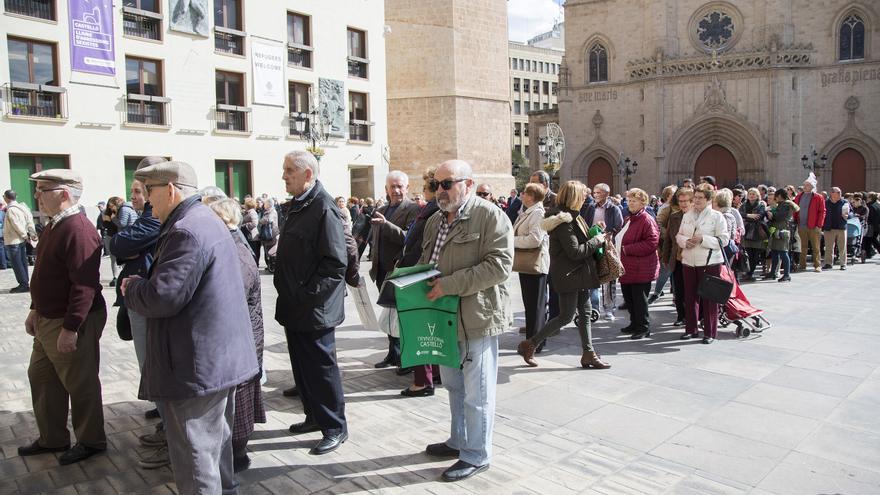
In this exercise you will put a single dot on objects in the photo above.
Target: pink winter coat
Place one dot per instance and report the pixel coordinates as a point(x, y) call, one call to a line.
point(638, 249)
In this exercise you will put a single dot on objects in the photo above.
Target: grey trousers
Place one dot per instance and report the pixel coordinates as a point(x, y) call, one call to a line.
point(199, 432)
point(139, 336)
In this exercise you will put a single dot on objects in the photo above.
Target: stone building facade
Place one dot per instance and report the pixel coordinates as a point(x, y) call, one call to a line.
point(740, 90)
point(534, 86)
point(448, 87)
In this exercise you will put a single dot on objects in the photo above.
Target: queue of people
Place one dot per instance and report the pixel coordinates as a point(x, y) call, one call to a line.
point(189, 290)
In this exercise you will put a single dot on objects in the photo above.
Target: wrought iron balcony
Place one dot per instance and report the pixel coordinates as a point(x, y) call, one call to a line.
point(293, 118)
point(299, 55)
point(357, 67)
point(231, 118)
point(42, 9)
point(359, 130)
point(35, 100)
point(141, 23)
point(147, 110)
point(229, 40)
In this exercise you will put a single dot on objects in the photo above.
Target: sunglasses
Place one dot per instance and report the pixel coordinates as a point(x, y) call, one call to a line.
point(483, 194)
point(446, 184)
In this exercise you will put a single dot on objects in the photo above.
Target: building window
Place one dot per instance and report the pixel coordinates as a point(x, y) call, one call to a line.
point(33, 73)
point(536, 106)
point(555, 88)
point(141, 19)
point(298, 98)
point(357, 53)
point(525, 130)
point(144, 101)
point(41, 9)
point(230, 113)
point(526, 153)
point(536, 87)
point(21, 167)
point(546, 106)
point(517, 128)
point(527, 85)
point(598, 63)
point(516, 84)
point(852, 38)
point(229, 34)
point(516, 108)
point(299, 40)
point(517, 148)
point(546, 87)
point(358, 117)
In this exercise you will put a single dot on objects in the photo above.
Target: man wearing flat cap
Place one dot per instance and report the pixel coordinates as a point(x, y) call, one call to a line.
point(66, 320)
point(199, 338)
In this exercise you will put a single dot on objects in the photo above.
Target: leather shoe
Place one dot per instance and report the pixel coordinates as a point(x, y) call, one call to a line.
point(640, 335)
point(78, 453)
point(304, 427)
point(385, 363)
point(441, 450)
point(329, 443)
point(35, 449)
point(422, 392)
point(403, 371)
point(462, 470)
point(291, 392)
point(152, 414)
point(627, 330)
point(687, 336)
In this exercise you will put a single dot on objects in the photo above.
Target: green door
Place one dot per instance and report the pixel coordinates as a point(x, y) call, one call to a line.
point(221, 176)
point(131, 164)
point(241, 179)
point(20, 170)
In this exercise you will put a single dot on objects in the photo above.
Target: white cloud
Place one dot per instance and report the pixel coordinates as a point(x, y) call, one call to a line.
point(528, 18)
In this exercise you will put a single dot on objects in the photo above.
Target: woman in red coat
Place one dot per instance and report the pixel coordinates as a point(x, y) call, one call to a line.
point(637, 244)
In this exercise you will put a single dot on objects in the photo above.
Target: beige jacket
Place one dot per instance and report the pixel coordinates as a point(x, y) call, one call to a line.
point(711, 225)
point(528, 234)
point(19, 224)
point(475, 261)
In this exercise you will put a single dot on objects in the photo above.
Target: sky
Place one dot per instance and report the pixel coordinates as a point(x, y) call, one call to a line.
point(527, 18)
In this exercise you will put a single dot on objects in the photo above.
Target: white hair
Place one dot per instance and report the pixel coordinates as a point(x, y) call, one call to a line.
point(304, 160)
point(602, 187)
point(75, 193)
point(397, 175)
point(462, 169)
point(186, 191)
point(229, 211)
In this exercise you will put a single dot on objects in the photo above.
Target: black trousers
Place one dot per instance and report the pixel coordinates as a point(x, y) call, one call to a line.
point(552, 300)
point(313, 356)
point(534, 293)
point(678, 290)
point(393, 354)
point(636, 298)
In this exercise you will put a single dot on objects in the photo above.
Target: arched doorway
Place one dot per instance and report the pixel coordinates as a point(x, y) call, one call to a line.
point(718, 161)
point(848, 171)
point(600, 171)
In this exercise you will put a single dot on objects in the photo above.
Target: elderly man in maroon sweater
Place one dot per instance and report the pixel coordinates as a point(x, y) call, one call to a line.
point(66, 320)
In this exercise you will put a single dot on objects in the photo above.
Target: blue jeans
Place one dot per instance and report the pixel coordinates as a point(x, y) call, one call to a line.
point(3, 262)
point(17, 254)
point(786, 262)
point(662, 279)
point(472, 399)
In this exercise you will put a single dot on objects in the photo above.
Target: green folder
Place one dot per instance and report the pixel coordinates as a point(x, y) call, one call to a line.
point(428, 329)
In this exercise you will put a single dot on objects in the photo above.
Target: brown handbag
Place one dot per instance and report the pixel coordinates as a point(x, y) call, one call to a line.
point(527, 260)
point(609, 267)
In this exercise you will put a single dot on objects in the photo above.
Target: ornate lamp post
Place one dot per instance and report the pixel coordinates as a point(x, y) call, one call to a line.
point(313, 126)
point(627, 169)
point(814, 163)
point(552, 148)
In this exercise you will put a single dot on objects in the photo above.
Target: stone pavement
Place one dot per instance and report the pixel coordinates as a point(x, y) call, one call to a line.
point(792, 410)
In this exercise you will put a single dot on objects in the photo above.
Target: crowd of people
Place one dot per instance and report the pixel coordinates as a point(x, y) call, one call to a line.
point(185, 271)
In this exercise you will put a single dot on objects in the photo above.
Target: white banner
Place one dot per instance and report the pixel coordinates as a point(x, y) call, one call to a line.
point(268, 61)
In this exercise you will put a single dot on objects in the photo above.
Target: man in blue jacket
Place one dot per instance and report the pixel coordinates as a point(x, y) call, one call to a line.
point(199, 334)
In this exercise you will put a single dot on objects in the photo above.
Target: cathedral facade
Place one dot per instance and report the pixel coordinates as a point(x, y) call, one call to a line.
point(751, 91)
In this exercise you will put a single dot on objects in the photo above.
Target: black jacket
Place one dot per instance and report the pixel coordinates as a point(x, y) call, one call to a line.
point(133, 247)
point(412, 246)
point(311, 264)
point(572, 266)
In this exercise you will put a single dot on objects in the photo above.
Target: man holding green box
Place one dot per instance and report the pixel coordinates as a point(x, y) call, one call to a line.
point(470, 241)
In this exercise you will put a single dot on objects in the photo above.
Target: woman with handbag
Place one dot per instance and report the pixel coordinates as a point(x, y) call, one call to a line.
point(754, 211)
point(780, 234)
point(637, 244)
point(531, 258)
point(572, 271)
point(702, 235)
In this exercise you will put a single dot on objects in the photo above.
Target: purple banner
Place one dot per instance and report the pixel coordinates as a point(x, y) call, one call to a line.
point(91, 36)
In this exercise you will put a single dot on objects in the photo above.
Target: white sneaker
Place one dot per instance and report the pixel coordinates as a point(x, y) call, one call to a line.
point(159, 458)
point(609, 316)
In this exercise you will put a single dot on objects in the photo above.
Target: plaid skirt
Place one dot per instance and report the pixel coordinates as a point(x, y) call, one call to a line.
point(249, 409)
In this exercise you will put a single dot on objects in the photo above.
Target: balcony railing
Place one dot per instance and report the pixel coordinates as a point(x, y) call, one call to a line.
point(299, 55)
point(141, 23)
point(35, 100)
point(231, 118)
point(359, 130)
point(147, 110)
point(229, 40)
point(42, 9)
point(357, 67)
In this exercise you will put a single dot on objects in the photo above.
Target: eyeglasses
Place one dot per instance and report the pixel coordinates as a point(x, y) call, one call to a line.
point(149, 187)
point(38, 190)
point(448, 183)
point(484, 194)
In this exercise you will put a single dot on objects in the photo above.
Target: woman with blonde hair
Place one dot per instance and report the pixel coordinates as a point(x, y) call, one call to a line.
point(572, 272)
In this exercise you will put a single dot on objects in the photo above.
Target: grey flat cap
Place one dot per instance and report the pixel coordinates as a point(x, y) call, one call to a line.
point(63, 176)
point(180, 173)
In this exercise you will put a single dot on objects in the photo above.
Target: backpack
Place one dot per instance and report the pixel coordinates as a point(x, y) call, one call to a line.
point(267, 233)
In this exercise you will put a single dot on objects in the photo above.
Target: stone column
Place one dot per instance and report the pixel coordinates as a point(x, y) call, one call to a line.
point(449, 87)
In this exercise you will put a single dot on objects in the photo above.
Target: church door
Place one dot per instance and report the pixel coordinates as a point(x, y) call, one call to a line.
point(848, 171)
point(717, 161)
point(600, 171)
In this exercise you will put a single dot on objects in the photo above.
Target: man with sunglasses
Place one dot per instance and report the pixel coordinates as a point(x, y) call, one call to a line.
point(389, 227)
point(66, 321)
point(485, 191)
point(471, 243)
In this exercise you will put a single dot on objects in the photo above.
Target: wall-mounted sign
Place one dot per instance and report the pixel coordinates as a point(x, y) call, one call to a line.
point(91, 36)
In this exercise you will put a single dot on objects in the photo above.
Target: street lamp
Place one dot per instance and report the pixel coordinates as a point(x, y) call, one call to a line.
point(552, 147)
point(626, 168)
point(814, 163)
point(313, 126)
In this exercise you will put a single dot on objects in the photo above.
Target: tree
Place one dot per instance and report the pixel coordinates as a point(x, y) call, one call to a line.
point(519, 169)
